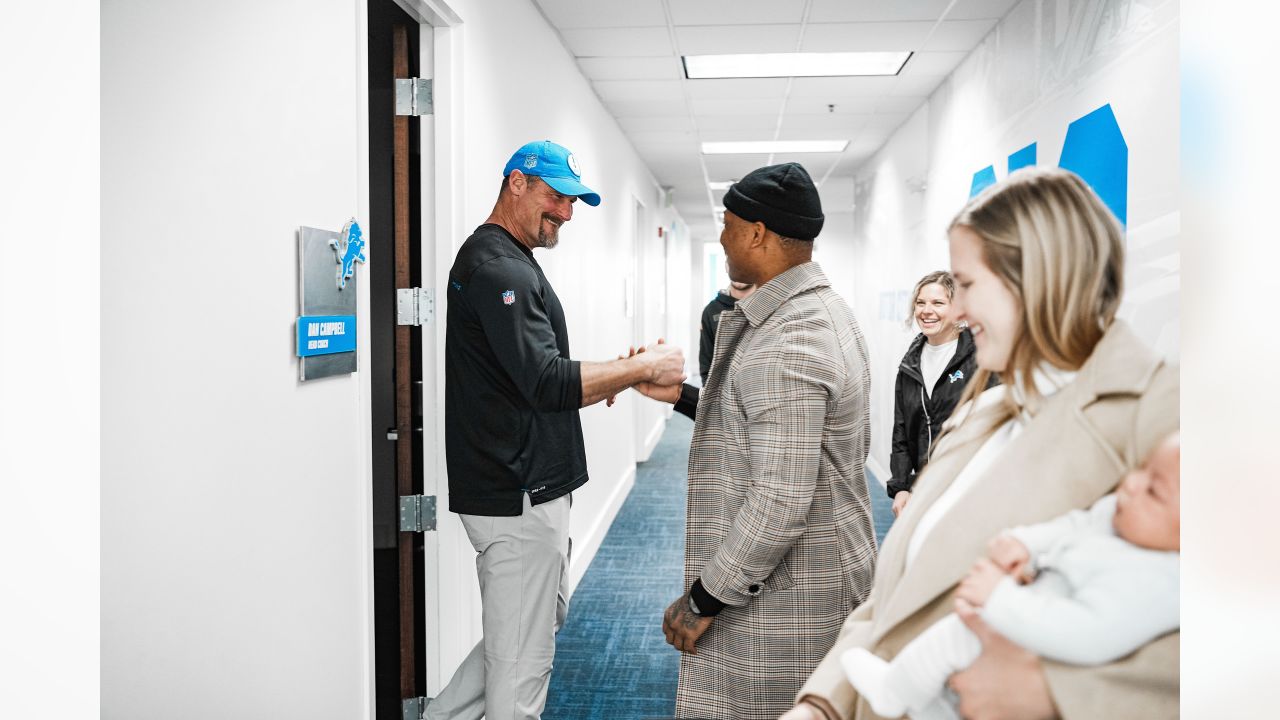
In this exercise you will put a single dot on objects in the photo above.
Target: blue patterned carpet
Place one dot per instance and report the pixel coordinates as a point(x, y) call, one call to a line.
point(611, 658)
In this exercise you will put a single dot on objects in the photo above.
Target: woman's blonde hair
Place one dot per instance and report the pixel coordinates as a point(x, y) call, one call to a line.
point(1060, 251)
point(939, 277)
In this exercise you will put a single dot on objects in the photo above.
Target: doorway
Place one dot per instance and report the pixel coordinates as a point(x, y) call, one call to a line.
point(399, 453)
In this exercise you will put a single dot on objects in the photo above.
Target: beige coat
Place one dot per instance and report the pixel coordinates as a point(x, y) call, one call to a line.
point(779, 517)
point(1075, 450)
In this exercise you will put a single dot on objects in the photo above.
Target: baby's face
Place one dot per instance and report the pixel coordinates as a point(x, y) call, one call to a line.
point(1148, 508)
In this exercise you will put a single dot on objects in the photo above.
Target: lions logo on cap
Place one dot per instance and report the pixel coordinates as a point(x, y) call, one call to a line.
point(573, 165)
point(531, 160)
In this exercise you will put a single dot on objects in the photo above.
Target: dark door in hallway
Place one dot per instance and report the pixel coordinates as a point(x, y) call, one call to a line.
point(396, 406)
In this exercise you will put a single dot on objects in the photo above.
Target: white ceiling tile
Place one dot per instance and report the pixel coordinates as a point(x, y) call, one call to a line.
point(566, 14)
point(880, 11)
point(641, 108)
point(833, 88)
point(727, 39)
point(866, 37)
point(827, 125)
point(736, 106)
point(631, 68)
point(737, 134)
point(826, 11)
point(634, 90)
point(883, 124)
point(737, 12)
point(833, 105)
point(932, 63)
point(981, 9)
point(958, 35)
point(737, 122)
point(655, 122)
point(761, 88)
point(619, 42)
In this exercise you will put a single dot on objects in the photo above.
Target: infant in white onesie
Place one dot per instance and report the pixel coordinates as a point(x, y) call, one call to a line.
point(1086, 588)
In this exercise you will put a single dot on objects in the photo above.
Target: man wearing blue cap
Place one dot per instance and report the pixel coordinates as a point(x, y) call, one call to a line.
point(513, 438)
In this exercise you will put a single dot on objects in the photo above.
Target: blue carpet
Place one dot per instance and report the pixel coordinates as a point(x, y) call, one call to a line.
point(611, 658)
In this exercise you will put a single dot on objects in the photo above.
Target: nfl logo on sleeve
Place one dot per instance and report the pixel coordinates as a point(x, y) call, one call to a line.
point(508, 297)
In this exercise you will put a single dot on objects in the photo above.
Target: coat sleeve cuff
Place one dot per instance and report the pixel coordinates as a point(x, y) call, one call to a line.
point(708, 605)
point(687, 405)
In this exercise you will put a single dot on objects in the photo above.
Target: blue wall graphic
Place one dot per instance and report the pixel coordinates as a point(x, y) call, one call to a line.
point(1094, 149)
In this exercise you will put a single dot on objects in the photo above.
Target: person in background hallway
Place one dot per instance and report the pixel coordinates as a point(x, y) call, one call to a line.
point(513, 439)
point(779, 544)
point(931, 377)
point(724, 300)
point(1039, 266)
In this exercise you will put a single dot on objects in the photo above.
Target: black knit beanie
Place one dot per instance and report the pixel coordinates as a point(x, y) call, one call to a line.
point(783, 197)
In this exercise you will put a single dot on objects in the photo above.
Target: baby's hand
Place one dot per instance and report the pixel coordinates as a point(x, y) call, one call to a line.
point(980, 582)
point(1009, 554)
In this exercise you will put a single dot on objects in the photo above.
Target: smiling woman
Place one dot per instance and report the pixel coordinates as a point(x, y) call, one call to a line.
point(934, 372)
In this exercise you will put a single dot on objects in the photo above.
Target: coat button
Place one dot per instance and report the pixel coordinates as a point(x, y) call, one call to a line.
point(753, 589)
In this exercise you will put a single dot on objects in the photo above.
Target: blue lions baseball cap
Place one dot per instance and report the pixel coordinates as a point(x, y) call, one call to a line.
point(555, 165)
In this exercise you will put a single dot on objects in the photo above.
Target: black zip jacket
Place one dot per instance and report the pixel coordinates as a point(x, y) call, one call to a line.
point(917, 417)
point(511, 391)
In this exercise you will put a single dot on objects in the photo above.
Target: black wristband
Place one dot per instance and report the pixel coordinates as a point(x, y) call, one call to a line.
point(687, 405)
point(708, 605)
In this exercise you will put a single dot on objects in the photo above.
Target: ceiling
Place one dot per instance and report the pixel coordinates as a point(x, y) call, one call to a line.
point(630, 51)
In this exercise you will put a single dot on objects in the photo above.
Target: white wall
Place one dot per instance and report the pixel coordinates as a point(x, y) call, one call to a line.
point(1047, 63)
point(236, 579)
point(235, 512)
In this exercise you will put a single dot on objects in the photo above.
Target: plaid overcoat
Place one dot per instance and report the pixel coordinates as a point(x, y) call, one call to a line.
point(779, 519)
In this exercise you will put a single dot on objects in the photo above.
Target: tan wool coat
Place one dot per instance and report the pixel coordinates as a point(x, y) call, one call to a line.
point(779, 519)
point(1075, 449)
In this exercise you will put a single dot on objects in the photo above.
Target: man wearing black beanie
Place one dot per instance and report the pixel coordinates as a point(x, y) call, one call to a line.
point(779, 545)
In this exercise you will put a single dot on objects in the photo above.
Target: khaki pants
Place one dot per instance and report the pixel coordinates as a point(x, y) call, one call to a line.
point(523, 564)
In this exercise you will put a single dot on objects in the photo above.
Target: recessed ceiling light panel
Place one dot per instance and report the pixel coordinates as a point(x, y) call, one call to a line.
point(766, 65)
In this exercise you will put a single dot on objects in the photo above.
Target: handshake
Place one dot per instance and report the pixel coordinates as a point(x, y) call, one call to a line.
point(662, 371)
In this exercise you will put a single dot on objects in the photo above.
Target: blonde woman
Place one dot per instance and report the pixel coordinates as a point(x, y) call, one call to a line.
point(934, 372)
point(1039, 266)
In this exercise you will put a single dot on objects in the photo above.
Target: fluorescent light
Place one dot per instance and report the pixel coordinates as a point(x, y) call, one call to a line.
point(700, 67)
point(718, 185)
point(765, 147)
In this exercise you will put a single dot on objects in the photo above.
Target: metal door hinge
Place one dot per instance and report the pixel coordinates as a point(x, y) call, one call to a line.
point(417, 513)
point(415, 306)
point(413, 96)
point(413, 708)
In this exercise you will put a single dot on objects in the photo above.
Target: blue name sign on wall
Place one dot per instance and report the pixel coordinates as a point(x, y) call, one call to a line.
point(326, 334)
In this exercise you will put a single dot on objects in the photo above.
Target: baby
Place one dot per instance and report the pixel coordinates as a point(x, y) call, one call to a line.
point(1086, 588)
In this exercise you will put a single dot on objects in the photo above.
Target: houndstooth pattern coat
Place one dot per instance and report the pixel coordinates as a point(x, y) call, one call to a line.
point(779, 518)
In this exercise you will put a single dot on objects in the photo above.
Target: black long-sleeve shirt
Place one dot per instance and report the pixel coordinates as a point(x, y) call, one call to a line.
point(512, 393)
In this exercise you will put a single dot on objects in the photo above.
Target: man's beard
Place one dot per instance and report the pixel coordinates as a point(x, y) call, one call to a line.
point(546, 239)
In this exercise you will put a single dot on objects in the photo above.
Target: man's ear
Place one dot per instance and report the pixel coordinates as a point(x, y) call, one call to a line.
point(758, 233)
point(517, 183)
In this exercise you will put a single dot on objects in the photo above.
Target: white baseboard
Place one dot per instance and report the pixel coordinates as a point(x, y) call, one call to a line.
point(651, 440)
point(584, 548)
point(882, 477)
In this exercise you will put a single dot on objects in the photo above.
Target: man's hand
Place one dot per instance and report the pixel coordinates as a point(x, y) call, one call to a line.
point(1010, 555)
point(661, 393)
point(900, 501)
point(980, 582)
point(1005, 683)
point(665, 363)
point(682, 627)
